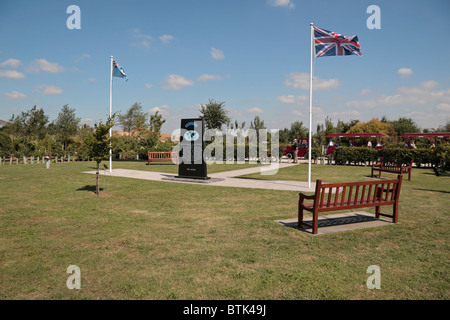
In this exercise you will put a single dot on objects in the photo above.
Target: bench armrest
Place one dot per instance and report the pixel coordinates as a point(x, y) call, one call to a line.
point(305, 196)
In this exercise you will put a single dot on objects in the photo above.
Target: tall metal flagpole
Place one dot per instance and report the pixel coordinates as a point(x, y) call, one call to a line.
point(110, 115)
point(310, 103)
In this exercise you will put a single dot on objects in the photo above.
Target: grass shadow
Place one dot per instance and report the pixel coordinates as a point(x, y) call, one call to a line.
point(441, 191)
point(89, 188)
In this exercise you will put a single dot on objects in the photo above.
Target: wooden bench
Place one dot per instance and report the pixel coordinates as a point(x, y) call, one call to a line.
point(350, 195)
point(162, 156)
point(392, 167)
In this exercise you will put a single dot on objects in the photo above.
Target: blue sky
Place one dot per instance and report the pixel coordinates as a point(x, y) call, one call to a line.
point(251, 54)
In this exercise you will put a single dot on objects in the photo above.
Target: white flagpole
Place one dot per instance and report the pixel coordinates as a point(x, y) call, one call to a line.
point(310, 104)
point(110, 114)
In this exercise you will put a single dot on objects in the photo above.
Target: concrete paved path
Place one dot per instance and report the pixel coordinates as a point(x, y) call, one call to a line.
point(223, 179)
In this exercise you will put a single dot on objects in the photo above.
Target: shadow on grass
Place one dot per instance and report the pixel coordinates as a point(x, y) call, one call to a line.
point(442, 191)
point(89, 188)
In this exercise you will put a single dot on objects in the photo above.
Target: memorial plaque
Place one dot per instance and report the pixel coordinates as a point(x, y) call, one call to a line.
point(192, 164)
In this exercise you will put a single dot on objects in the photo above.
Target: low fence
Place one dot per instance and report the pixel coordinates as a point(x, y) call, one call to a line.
point(37, 160)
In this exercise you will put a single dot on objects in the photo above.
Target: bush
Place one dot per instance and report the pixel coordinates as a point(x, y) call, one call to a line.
point(442, 156)
point(349, 155)
point(128, 155)
point(6, 144)
point(420, 156)
point(423, 156)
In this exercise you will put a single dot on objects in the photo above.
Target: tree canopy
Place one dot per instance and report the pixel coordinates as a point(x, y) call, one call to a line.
point(214, 114)
point(373, 126)
point(133, 118)
point(66, 125)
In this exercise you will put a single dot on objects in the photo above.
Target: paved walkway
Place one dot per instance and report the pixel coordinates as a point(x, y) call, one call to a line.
point(222, 179)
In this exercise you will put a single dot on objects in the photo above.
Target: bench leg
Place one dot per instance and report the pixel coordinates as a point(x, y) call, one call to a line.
point(300, 214)
point(315, 222)
point(377, 212)
point(395, 213)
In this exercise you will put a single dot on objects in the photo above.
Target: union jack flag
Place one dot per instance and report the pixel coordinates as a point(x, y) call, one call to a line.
point(118, 71)
point(329, 43)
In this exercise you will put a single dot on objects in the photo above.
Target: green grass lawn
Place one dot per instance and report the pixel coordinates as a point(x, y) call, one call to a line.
point(160, 240)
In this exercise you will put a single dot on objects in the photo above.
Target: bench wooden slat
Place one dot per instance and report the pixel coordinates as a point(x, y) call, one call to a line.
point(336, 196)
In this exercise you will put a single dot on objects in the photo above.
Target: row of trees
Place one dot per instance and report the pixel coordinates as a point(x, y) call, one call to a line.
point(31, 132)
point(216, 116)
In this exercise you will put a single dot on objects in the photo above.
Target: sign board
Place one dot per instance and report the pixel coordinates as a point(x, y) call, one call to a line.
point(192, 164)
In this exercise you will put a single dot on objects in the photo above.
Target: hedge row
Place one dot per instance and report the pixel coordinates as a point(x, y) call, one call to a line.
point(437, 157)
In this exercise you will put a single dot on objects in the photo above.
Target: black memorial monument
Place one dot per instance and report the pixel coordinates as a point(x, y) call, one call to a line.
point(192, 164)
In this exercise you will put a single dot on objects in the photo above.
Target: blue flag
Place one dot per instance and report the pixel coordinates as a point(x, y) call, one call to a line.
point(118, 71)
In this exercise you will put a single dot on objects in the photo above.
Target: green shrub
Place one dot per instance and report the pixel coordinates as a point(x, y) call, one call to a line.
point(442, 156)
point(349, 155)
point(6, 144)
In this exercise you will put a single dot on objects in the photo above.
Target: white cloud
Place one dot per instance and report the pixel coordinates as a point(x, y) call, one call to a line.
point(209, 77)
point(148, 86)
point(301, 80)
point(166, 38)
point(15, 95)
point(12, 74)
point(162, 110)
point(443, 107)
point(142, 39)
point(426, 94)
point(281, 3)
point(217, 54)
point(346, 115)
point(44, 65)
point(405, 72)
point(176, 82)
point(49, 90)
point(365, 91)
point(12, 63)
point(255, 110)
point(82, 57)
point(297, 113)
point(291, 99)
point(87, 120)
point(92, 79)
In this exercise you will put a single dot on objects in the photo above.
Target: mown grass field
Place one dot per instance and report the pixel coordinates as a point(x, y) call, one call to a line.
point(160, 240)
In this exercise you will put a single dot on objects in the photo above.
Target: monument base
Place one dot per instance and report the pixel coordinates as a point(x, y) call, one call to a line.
point(192, 179)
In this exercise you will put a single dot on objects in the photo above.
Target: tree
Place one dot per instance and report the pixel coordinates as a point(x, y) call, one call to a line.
point(257, 124)
point(373, 126)
point(30, 125)
point(66, 125)
point(444, 128)
point(27, 129)
point(214, 114)
point(156, 123)
point(297, 131)
point(405, 125)
point(6, 144)
point(284, 135)
point(99, 144)
point(343, 127)
point(134, 118)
